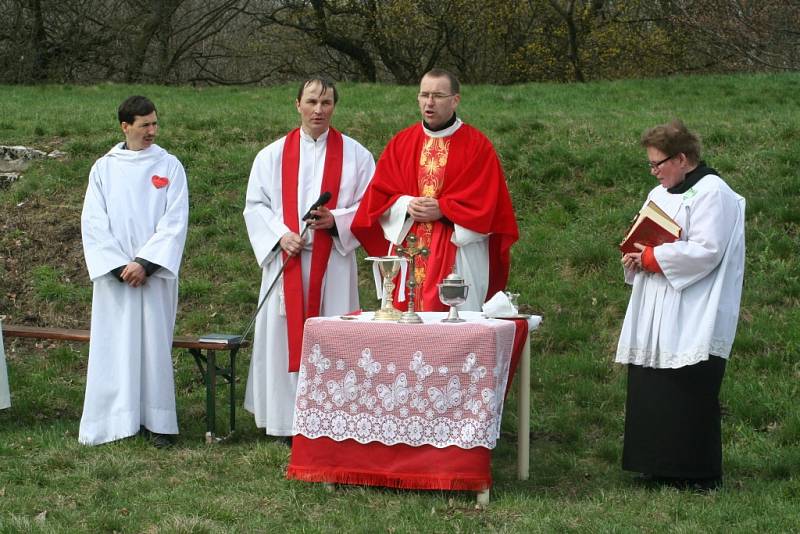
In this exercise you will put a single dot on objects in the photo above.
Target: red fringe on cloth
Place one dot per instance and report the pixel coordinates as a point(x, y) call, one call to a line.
point(397, 466)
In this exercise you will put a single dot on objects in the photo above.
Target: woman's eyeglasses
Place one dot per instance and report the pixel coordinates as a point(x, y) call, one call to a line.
point(654, 165)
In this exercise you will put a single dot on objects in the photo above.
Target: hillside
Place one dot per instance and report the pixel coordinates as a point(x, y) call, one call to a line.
point(577, 176)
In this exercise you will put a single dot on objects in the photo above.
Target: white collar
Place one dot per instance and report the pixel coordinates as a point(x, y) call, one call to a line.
point(306, 137)
point(450, 130)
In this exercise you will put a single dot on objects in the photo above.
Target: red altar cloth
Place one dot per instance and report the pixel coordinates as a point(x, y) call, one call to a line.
point(399, 465)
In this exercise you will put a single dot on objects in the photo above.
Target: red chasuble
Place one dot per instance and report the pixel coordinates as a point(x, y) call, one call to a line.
point(472, 193)
point(323, 242)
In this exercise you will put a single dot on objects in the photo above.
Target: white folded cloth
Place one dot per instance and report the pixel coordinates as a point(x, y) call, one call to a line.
point(499, 306)
point(400, 284)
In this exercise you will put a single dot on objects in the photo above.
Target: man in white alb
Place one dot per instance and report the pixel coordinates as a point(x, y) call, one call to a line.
point(320, 277)
point(134, 225)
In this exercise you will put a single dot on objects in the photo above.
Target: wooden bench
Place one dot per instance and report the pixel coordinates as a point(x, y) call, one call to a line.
point(206, 363)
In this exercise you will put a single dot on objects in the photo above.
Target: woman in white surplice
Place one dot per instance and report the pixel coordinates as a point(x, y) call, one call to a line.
point(133, 225)
point(303, 155)
point(681, 318)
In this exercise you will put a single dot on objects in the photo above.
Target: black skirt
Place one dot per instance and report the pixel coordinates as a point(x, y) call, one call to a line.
point(672, 421)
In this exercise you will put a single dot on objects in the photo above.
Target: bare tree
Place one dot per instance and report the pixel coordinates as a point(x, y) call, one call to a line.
point(487, 41)
point(742, 34)
point(341, 26)
point(409, 37)
point(404, 38)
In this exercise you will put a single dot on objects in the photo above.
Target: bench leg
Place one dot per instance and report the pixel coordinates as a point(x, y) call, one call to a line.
point(232, 389)
point(207, 364)
point(483, 497)
point(211, 389)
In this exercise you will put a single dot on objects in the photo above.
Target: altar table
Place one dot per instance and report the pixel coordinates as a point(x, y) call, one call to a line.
point(405, 405)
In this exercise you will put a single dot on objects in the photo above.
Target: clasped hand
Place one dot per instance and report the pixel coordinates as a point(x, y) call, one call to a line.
point(424, 209)
point(133, 274)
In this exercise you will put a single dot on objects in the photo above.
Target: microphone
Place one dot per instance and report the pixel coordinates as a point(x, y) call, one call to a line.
point(321, 201)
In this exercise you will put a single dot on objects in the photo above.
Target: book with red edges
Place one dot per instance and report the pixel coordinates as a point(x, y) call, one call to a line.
point(652, 227)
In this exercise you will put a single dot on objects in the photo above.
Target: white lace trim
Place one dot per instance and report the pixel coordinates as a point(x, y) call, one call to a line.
point(391, 430)
point(671, 360)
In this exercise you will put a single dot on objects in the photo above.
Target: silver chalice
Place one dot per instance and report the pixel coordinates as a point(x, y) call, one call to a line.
point(453, 292)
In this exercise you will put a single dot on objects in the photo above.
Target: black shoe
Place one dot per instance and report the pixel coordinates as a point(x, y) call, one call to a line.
point(702, 485)
point(697, 485)
point(645, 480)
point(159, 441)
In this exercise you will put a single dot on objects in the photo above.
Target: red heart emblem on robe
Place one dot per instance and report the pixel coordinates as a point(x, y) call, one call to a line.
point(159, 181)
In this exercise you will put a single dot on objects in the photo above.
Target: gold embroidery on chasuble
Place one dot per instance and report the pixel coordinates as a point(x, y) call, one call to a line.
point(430, 178)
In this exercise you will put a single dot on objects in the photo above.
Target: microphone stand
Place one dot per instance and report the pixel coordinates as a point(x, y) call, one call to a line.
point(271, 287)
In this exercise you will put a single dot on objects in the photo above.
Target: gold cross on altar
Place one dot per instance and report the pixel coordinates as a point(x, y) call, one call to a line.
point(411, 251)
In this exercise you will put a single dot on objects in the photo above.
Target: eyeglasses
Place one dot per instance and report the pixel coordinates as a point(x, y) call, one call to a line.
point(656, 165)
point(436, 96)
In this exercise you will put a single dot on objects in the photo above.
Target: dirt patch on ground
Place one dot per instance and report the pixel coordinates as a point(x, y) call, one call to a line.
point(41, 232)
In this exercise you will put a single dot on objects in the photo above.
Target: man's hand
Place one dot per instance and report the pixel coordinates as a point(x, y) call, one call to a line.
point(633, 260)
point(322, 219)
point(292, 243)
point(133, 274)
point(424, 209)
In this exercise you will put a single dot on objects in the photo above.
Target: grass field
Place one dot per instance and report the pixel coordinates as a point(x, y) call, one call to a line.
point(576, 175)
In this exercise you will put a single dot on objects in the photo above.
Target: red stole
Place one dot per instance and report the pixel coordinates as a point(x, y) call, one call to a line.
point(323, 242)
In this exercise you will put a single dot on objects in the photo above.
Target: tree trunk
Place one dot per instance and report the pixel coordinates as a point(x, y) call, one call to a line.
point(38, 43)
point(158, 18)
point(568, 14)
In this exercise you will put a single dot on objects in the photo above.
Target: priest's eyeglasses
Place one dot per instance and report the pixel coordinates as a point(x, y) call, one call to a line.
point(655, 165)
point(435, 96)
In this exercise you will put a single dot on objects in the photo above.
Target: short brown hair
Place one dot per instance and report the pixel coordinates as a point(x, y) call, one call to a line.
point(324, 84)
point(134, 106)
point(672, 139)
point(455, 86)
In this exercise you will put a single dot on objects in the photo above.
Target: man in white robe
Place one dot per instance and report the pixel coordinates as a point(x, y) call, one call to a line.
point(312, 159)
point(134, 224)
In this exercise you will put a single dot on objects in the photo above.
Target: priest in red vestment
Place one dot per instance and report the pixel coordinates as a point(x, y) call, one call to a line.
point(441, 180)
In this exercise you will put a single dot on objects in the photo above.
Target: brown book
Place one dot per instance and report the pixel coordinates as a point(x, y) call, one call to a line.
point(652, 227)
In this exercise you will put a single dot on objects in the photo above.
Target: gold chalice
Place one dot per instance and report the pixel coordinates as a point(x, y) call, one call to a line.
point(388, 266)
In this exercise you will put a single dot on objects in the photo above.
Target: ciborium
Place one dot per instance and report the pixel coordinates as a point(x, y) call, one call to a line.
point(453, 292)
point(388, 266)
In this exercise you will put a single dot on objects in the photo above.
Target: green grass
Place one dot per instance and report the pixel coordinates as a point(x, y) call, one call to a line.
point(576, 176)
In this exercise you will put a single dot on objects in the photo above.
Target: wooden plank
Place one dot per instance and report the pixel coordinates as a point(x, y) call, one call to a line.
point(37, 332)
point(68, 334)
